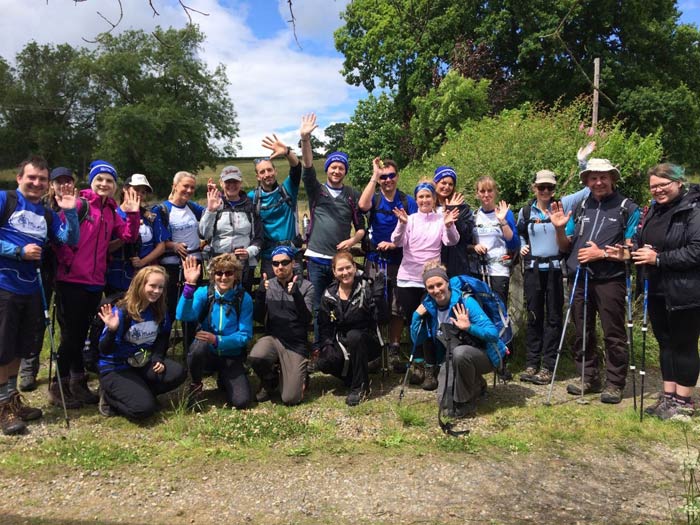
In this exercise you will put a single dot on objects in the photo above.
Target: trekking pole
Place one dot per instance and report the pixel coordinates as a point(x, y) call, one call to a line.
point(581, 399)
point(642, 371)
point(630, 325)
point(54, 356)
point(383, 268)
point(183, 324)
point(410, 362)
point(563, 334)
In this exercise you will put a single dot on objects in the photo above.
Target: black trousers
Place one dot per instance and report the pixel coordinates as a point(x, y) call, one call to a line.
point(21, 326)
point(232, 375)
point(132, 392)
point(544, 298)
point(361, 347)
point(75, 308)
point(677, 333)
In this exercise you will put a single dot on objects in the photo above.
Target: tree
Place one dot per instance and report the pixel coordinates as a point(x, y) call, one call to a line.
point(316, 145)
point(374, 130)
point(447, 108)
point(167, 111)
point(336, 136)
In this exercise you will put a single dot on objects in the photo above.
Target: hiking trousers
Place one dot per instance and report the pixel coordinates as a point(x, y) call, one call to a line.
point(267, 356)
point(468, 365)
point(132, 392)
point(544, 298)
point(361, 347)
point(232, 375)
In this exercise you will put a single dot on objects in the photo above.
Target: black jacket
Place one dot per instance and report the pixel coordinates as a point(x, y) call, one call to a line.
point(364, 309)
point(456, 258)
point(679, 256)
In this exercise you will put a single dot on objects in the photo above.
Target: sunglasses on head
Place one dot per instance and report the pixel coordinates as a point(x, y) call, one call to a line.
point(387, 176)
point(545, 187)
point(261, 159)
point(224, 273)
point(283, 262)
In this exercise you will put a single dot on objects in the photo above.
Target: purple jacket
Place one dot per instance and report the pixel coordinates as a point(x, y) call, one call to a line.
point(87, 262)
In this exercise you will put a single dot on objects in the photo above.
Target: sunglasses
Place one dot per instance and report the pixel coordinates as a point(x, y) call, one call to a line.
point(545, 187)
point(224, 273)
point(261, 159)
point(388, 176)
point(284, 262)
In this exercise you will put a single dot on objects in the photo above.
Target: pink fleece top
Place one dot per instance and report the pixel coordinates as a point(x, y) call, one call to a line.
point(422, 238)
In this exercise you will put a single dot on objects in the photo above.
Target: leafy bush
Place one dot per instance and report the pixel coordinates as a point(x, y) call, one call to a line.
point(513, 145)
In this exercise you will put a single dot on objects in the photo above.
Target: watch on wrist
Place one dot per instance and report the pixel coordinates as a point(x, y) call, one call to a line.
point(289, 150)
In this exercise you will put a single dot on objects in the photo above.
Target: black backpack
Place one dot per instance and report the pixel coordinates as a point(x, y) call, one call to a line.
point(91, 348)
point(11, 207)
point(234, 303)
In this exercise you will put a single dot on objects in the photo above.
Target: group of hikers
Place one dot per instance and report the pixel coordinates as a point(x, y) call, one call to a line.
point(141, 269)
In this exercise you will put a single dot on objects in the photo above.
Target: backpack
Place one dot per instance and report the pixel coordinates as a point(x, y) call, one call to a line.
point(234, 303)
point(286, 199)
point(91, 348)
point(624, 210)
point(11, 207)
point(165, 212)
point(403, 199)
point(495, 310)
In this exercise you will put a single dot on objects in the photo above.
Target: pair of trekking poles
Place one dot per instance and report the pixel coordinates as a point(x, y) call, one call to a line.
point(630, 329)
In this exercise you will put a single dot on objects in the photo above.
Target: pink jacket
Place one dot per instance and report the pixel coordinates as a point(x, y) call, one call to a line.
point(422, 238)
point(87, 262)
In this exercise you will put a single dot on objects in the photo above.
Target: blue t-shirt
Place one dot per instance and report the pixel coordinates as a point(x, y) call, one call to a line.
point(278, 215)
point(383, 224)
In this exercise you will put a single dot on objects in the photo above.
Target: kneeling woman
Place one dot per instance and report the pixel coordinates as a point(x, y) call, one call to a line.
point(350, 308)
point(132, 365)
point(224, 312)
point(445, 304)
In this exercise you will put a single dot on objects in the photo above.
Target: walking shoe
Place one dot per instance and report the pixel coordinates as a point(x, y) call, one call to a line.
point(27, 383)
point(416, 375)
point(55, 396)
point(395, 358)
point(80, 390)
point(659, 406)
point(195, 396)
point(592, 387)
point(677, 411)
point(22, 411)
point(104, 408)
point(611, 395)
point(263, 393)
point(430, 382)
point(462, 410)
point(528, 374)
point(543, 377)
point(10, 423)
point(356, 396)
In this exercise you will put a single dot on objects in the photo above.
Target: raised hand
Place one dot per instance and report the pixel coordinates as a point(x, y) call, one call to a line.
point(450, 217)
point(290, 284)
point(585, 151)
point(401, 215)
point(132, 200)
point(502, 210)
point(191, 269)
point(308, 124)
point(557, 215)
point(455, 200)
point(109, 317)
point(376, 168)
point(210, 184)
point(214, 201)
point(461, 318)
point(66, 201)
point(278, 148)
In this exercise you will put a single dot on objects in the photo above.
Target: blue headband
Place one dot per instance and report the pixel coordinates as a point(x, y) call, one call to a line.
point(336, 156)
point(101, 166)
point(284, 250)
point(445, 171)
point(424, 186)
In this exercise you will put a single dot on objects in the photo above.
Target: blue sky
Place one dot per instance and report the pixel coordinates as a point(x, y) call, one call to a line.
point(273, 82)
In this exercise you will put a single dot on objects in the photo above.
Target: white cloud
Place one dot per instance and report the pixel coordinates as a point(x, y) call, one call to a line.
point(273, 82)
point(314, 19)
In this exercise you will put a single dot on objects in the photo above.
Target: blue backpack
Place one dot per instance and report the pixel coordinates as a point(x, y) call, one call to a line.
point(493, 307)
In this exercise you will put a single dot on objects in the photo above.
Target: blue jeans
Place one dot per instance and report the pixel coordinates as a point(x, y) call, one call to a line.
point(321, 276)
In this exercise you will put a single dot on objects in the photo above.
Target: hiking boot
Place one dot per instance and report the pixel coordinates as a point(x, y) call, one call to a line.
point(430, 382)
point(661, 404)
point(416, 375)
point(27, 383)
point(195, 396)
point(22, 411)
point(55, 396)
point(528, 374)
point(589, 387)
point(10, 423)
point(356, 396)
point(677, 411)
point(104, 408)
point(611, 395)
point(395, 363)
point(462, 410)
point(543, 377)
point(80, 390)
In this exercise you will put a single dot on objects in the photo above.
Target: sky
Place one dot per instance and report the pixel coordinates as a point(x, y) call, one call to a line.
point(273, 82)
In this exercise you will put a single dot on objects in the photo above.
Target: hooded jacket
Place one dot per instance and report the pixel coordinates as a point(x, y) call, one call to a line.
point(86, 263)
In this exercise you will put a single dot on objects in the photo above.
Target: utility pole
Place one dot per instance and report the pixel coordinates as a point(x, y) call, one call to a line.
point(596, 85)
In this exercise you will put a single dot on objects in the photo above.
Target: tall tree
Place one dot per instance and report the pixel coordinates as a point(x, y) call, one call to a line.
point(335, 133)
